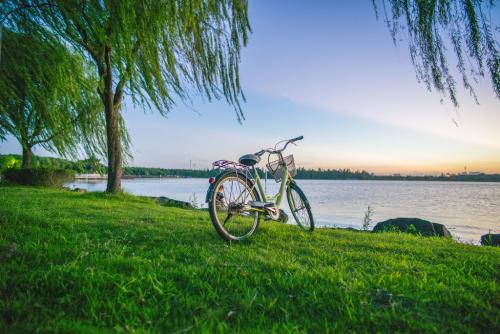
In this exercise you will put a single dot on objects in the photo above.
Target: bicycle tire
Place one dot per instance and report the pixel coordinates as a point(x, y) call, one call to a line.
point(307, 225)
point(218, 225)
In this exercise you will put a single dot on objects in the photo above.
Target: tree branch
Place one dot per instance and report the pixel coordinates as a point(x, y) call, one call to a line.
point(40, 141)
point(126, 75)
point(83, 34)
point(54, 134)
point(24, 6)
point(38, 128)
point(7, 125)
point(108, 89)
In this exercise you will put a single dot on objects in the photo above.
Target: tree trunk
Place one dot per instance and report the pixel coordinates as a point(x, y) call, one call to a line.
point(27, 154)
point(114, 146)
point(114, 150)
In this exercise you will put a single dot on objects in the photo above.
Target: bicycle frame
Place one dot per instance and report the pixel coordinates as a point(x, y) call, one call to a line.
point(239, 168)
point(277, 199)
point(250, 200)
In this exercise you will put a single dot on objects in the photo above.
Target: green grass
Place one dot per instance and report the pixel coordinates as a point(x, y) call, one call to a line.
point(73, 262)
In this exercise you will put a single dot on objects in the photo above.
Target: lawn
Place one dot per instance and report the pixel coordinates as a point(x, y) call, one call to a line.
point(90, 262)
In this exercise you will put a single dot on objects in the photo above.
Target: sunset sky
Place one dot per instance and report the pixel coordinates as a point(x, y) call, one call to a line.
point(327, 70)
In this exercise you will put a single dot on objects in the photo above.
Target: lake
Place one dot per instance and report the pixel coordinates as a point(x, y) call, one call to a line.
point(468, 209)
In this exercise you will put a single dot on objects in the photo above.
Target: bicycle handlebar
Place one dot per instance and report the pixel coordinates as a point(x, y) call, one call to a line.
point(274, 151)
point(296, 138)
point(260, 153)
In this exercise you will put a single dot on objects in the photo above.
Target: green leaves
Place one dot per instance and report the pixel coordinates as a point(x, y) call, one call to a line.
point(158, 52)
point(159, 49)
point(432, 26)
point(47, 96)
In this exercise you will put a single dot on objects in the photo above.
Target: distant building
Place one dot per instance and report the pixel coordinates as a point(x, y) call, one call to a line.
point(464, 173)
point(91, 176)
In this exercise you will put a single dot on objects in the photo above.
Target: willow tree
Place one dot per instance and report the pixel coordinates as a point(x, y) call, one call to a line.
point(465, 26)
point(154, 51)
point(46, 98)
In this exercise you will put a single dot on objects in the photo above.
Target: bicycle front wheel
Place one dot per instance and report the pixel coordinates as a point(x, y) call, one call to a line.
point(230, 212)
point(300, 207)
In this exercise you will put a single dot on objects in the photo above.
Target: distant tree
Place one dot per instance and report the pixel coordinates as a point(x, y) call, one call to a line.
point(90, 165)
point(151, 50)
point(430, 24)
point(45, 97)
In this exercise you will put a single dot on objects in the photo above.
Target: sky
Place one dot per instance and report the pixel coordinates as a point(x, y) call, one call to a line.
point(327, 70)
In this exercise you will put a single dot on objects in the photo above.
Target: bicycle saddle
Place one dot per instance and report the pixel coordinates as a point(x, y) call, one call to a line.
point(249, 159)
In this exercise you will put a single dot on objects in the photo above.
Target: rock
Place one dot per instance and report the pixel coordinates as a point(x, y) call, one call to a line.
point(165, 201)
point(79, 190)
point(490, 239)
point(414, 226)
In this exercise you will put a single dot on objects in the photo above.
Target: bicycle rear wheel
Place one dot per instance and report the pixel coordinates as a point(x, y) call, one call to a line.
point(300, 207)
point(231, 215)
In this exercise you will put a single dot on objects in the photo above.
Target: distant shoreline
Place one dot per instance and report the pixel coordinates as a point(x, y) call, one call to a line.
point(95, 171)
point(126, 177)
point(483, 179)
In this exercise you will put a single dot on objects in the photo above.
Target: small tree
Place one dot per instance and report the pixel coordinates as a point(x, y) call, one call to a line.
point(430, 24)
point(90, 165)
point(9, 161)
point(45, 97)
point(149, 49)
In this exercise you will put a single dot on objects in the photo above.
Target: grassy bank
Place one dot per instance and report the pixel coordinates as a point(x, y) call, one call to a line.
point(73, 262)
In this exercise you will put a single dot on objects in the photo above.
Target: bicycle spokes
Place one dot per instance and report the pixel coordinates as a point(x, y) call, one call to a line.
point(299, 208)
point(237, 197)
point(232, 209)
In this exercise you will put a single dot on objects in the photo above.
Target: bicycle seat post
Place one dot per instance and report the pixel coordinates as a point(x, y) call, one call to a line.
point(265, 181)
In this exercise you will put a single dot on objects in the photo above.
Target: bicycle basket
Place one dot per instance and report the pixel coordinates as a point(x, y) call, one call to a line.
point(277, 168)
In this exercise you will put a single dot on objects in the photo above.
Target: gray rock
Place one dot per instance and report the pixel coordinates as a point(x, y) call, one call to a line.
point(490, 239)
point(165, 201)
point(414, 226)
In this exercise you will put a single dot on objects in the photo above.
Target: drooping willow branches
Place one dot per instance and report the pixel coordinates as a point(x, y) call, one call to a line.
point(157, 52)
point(47, 97)
point(438, 28)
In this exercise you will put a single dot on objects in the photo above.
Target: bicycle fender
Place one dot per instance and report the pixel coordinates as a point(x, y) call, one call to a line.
point(212, 185)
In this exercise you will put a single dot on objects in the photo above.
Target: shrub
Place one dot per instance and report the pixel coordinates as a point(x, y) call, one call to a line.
point(367, 219)
point(9, 161)
point(44, 177)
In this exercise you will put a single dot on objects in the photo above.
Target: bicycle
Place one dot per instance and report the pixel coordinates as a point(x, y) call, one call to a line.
point(236, 197)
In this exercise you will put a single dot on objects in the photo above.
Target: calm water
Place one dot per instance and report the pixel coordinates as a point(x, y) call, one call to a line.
point(467, 209)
